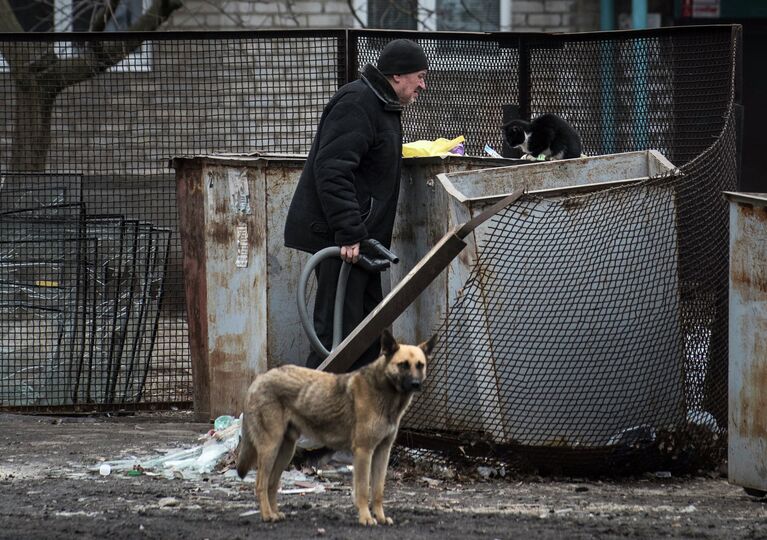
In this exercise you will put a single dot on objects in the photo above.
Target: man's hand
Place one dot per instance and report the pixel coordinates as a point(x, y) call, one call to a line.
point(351, 253)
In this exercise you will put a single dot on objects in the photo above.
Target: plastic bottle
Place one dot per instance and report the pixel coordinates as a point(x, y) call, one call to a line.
point(223, 422)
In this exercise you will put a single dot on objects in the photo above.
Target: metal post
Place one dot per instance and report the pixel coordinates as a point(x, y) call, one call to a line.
point(639, 14)
point(639, 22)
point(607, 15)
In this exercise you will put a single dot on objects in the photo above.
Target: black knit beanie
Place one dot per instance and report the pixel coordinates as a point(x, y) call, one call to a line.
point(402, 56)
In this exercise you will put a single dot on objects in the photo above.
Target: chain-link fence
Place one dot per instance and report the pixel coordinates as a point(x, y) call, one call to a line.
point(90, 121)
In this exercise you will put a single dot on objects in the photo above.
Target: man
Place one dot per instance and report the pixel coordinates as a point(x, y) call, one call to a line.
point(349, 187)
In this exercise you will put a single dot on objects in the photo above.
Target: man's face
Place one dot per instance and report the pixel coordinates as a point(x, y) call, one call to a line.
point(407, 86)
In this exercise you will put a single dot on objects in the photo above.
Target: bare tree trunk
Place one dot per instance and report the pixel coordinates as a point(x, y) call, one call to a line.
point(32, 126)
point(40, 76)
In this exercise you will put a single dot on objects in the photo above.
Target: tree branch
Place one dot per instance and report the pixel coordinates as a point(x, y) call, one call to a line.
point(8, 20)
point(102, 55)
point(101, 17)
point(353, 9)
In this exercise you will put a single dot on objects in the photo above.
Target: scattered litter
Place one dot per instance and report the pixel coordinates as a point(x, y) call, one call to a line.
point(662, 474)
point(216, 453)
point(78, 513)
point(490, 151)
point(223, 422)
point(704, 419)
point(320, 531)
point(688, 509)
point(319, 488)
point(562, 511)
point(431, 482)
point(189, 463)
point(491, 472)
point(166, 502)
point(338, 472)
point(636, 437)
point(249, 513)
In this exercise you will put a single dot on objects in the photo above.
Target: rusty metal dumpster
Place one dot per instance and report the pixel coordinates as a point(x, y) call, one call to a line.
point(471, 388)
point(237, 276)
point(747, 434)
point(240, 281)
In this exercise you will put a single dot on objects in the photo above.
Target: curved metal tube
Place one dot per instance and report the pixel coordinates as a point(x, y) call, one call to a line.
point(338, 309)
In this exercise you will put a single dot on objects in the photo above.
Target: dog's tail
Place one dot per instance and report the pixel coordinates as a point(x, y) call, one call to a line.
point(247, 456)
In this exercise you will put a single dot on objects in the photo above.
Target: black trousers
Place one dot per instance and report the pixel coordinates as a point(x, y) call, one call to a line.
point(363, 294)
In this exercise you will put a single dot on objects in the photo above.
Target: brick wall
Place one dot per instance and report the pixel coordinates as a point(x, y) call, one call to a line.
point(527, 15)
point(262, 14)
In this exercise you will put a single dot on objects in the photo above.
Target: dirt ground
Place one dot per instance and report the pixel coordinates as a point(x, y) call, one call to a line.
point(50, 489)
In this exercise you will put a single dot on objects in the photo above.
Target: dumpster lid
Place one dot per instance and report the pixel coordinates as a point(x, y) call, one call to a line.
point(559, 177)
point(756, 199)
point(235, 158)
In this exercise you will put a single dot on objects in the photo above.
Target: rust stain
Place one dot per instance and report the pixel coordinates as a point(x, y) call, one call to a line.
point(191, 220)
point(753, 397)
point(230, 376)
point(221, 232)
point(573, 203)
point(257, 232)
point(748, 261)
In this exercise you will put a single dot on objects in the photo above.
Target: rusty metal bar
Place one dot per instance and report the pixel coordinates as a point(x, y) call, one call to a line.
point(408, 289)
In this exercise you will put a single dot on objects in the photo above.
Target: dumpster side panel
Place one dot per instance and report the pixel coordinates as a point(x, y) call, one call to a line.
point(553, 174)
point(191, 211)
point(747, 440)
point(235, 233)
point(588, 397)
point(425, 213)
point(287, 342)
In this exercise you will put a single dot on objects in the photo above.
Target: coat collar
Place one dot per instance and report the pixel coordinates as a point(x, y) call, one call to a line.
point(381, 87)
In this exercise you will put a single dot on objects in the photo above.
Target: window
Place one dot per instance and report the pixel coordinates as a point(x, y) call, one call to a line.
point(75, 16)
point(448, 15)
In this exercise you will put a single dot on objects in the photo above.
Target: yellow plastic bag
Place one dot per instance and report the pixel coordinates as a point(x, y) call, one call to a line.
point(440, 147)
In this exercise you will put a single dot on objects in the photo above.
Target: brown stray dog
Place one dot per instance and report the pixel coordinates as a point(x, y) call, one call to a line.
point(358, 411)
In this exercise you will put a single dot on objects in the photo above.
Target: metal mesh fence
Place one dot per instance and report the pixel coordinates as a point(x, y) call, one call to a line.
point(593, 327)
point(92, 312)
point(611, 331)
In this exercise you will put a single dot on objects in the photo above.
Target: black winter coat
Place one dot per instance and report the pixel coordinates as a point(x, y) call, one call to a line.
point(349, 187)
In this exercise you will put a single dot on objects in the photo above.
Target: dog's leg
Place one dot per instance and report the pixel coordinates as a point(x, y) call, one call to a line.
point(378, 478)
point(267, 453)
point(284, 455)
point(362, 460)
point(272, 430)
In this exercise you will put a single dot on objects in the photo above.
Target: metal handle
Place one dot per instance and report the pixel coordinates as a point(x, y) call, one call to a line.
point(365, 262)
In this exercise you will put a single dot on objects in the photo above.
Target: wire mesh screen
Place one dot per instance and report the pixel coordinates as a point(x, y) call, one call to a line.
point(593, 326)
point(470, 78)
point(92, 304)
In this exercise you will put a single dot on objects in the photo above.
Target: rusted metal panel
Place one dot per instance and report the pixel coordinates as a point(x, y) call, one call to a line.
point(240, 281)
point(747, 381)
point(235, 244)
point(287, 343)
point(191, 211)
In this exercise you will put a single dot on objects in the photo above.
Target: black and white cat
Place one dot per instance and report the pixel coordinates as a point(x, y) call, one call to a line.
point(547, 135)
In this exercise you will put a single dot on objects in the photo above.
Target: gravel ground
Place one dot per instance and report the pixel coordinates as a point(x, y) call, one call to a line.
point(50, 490)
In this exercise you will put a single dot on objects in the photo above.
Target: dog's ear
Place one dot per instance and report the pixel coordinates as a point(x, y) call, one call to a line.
point(428, 346)
point(389, 345)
